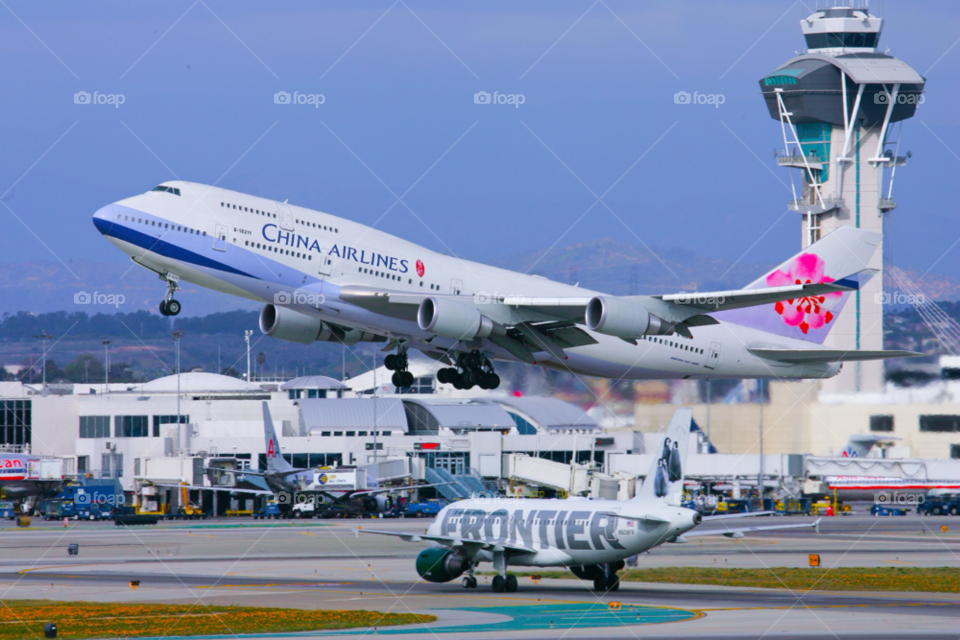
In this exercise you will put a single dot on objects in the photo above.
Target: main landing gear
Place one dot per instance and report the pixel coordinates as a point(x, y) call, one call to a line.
point(169, 306)
point(398, 364)
point(504, 583)
point(472, 369)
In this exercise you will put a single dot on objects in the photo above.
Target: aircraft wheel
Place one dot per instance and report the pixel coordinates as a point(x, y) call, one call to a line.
point(163, 308)
point(493, 381)
point(466, 582)
point(600, 584)
point(511, 584)
point(396, 379)
point(499, 584)
point(614, 582)
point(390, 362)
point(473, 582)
point(173, 308)
point(407, 379)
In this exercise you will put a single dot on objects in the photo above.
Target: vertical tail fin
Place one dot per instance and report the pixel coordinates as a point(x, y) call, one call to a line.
point(664, 481)
point(840, 257)
point(275, 461)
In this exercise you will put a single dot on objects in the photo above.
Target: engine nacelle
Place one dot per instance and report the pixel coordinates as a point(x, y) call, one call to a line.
point(284, 323)
point(440, 565)
point(377, 504)
point(624, 319)
point(452, 319)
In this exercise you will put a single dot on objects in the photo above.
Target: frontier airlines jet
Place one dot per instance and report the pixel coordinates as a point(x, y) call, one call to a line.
point(593, 538)
point(321, 277)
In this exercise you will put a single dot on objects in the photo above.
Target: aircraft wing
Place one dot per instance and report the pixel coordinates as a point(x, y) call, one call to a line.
point(370, 492)
point(259, 492)
point(740, 531)
point(802, 356)
point(449, 541)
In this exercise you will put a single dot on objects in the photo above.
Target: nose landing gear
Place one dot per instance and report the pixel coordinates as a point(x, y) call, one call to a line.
point(398, 363)
point(473, 369)
point(169, 306)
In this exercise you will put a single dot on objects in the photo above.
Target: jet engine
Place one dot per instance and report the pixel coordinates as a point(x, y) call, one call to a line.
point(452, 319)
point(286, 324)
point(440, 565)
point(377, 504)
point(623, 319)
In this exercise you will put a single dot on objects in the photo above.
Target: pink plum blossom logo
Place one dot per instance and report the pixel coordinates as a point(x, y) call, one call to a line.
point(807, 312)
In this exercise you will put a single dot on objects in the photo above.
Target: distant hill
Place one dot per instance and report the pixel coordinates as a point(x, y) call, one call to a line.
point(603, 265)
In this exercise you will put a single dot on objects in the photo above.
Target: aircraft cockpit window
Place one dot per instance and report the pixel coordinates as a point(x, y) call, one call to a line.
point(167, 189)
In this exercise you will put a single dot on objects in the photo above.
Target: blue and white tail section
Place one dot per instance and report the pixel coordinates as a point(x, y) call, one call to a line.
point(840, 258)
point(664, 481)
point(275, 460)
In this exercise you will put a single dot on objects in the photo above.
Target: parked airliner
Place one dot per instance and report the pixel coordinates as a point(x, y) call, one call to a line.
point(322, 277)
point(593, 538)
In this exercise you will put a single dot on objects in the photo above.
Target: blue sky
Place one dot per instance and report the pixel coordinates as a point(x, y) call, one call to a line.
point(399, 120)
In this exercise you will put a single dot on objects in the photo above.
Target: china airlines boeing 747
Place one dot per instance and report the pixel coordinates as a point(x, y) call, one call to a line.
point(322, 277)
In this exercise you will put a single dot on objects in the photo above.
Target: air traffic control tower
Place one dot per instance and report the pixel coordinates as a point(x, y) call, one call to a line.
point(841, 108)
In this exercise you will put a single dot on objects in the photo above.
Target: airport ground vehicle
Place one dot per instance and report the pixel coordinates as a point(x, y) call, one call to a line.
point(428, 509)
point(940, 505)
point(880, 510)
point(7, 510)
point(269, 510)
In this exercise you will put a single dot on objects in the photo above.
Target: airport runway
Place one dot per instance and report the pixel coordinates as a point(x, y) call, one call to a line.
point(323, 565)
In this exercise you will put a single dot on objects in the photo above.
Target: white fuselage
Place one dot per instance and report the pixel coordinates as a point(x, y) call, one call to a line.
point(259, 248)
point(563, 532)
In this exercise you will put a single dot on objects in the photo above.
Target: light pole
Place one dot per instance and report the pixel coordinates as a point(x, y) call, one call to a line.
point(760, 472)
point(246, 337)
point(177, 335)
point(44, 338)
point(375, 428)
point(106, 366)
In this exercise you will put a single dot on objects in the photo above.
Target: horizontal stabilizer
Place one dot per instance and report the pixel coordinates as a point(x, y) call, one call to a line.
point(740, 298)
point(739, 532)
point(805, 356)
point(637, 518)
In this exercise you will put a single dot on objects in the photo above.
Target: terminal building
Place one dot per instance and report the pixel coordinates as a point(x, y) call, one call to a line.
point(146, 433)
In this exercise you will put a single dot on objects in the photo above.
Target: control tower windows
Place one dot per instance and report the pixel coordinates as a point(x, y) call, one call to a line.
point(842, 40)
